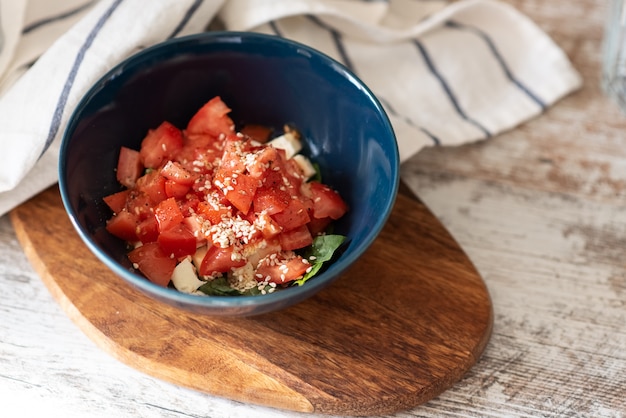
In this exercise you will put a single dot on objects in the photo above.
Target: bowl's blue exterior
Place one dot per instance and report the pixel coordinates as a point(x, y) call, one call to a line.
point(265, 80)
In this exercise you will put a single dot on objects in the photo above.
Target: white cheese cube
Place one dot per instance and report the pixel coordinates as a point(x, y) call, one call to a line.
point(199, 256)
point(288, 142)
point(184, 277)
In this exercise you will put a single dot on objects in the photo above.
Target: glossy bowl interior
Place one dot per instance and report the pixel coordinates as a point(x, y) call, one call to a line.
point(264, 79)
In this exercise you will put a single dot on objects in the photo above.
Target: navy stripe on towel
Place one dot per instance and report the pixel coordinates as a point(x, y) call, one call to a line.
point(500, 59)
point(341, 49)
point(51, 19)
point(446, 88)
point(337, 38)
point(274, 26)
point(61, 103)
point(196, 4)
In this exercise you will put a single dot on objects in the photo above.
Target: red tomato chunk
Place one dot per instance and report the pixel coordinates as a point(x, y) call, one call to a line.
point(236, 207)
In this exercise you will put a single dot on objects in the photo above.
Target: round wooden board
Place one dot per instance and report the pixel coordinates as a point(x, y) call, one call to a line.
point(404, 324)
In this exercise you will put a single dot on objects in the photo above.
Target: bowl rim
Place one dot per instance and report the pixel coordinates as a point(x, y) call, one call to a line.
point(213, 304)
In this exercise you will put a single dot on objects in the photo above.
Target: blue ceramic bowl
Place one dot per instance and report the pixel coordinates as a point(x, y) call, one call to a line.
point(264, 79)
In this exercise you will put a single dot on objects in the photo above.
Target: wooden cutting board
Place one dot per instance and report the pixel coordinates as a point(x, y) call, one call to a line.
point(404, 324)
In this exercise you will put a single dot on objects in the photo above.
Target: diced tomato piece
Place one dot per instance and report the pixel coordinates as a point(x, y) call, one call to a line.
point(199, 140)
point(241, 192)
point(148, 230)
point(273, 180)
point(153, 262)
point(212, 119)
point(219, 260)
point(199, 187)
point(174, 189)
point(160, 145)
point(271, 200)
point(326, 202)
point(266, 160)
point(168, 214)
point(259, 133)
point(123, 225)
point(231, 161)
point(177, 241)
point(283, 271)
point(197, 157)
point(295, 239)
point(269, 228)
point(129, 167)
point(293, 216)
point(211, 213)
point(281, 177)
point(139, 204)
point(189, 204)
point(176, 172)
point(117, 201)
point(207, 156)
point(294, 174)
point(318, 225)
point(152, 184)
point(194, 224)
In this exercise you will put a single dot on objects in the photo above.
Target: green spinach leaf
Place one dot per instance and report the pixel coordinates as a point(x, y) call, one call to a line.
point(321, 251)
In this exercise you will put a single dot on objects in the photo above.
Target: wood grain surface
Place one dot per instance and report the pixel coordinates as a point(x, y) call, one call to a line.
point(404, 324)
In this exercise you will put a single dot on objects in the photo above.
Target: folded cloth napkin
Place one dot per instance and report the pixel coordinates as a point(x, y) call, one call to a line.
point(446, 72)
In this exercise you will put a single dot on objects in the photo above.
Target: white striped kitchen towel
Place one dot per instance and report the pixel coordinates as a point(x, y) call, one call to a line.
point(446, 72)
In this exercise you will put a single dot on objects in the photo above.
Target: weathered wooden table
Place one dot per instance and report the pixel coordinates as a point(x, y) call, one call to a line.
point(540, 210)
